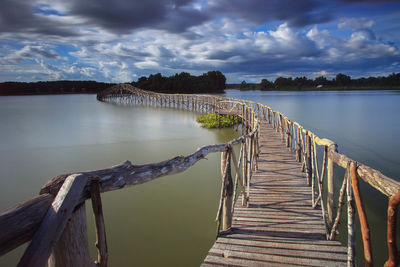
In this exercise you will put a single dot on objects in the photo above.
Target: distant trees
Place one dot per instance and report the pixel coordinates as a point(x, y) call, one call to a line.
point(340, 82)
point(282, 82)
point(210, 82)
point(243, 85)
point(343, 80)
point(266, 85)
point(321, 80)
point(52, 87)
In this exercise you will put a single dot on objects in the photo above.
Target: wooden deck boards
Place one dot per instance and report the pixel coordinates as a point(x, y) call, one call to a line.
point(279, 228)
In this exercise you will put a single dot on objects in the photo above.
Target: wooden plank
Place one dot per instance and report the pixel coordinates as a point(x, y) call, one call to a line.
point(299, 251)
point(278, 220)
point(54, 222)
point(19, 223)
point(284, 240)
point(225, 261)
point(273, 216)
point(275, 243)
point(273, 258)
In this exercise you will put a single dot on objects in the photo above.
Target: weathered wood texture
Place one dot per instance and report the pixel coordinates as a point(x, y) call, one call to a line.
point(101, 241)
point(19, 223)
point(72, 248)
point(54, 222)
point(280, 227)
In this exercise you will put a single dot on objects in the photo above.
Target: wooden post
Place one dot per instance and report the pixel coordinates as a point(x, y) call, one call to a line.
point(238, 176)
point(394, 255)
point(351, 236)
point(331, 209)
point(308, 159)
point(258, 147)
point(101, 242)
point(72, 249)
point(244, 168)
point(227, 205)
point(243, 120)
point(54, 222)
point(298, 145)
point(287, 133)
point(361, 215)
point(250, 158)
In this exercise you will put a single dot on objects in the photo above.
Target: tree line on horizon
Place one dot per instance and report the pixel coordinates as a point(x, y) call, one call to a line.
point(210, 82)
point(340, 82)
point(52, 87)
point(184, 82)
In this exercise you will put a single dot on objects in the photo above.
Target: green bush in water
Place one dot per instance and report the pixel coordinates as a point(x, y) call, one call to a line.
point(218, 121)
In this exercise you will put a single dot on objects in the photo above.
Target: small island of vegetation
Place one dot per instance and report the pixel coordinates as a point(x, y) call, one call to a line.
point(218, 121)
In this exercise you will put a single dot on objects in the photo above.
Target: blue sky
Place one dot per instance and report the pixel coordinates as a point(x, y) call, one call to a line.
point(121, 40)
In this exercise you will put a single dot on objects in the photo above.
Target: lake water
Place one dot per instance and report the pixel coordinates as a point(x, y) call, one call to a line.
point(170, 221)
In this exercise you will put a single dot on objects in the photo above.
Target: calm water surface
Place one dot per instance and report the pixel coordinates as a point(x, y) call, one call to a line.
point(170, 221)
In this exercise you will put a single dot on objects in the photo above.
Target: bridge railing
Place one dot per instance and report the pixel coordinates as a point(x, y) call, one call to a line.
point(44, 218)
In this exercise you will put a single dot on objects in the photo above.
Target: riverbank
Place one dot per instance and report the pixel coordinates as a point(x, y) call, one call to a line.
point(256, 87)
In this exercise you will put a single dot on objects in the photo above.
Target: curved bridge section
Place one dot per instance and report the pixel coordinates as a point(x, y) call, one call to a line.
point(279, 220)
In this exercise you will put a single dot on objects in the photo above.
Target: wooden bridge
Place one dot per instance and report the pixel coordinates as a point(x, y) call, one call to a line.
point(285, 215)
point(279, 226)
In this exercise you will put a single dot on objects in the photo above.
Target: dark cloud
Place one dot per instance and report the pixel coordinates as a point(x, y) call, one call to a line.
point(119, 16)
point(296, 13)
point(367, 1)
point(122, 16)
point(18, 16)
point(30, 52)
point(181, 19)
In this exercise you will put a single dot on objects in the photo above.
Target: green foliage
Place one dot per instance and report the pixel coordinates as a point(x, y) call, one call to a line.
point(340, 82)
point(210, 82)
point(218, 121)
point(266, 85)
point(52, 87)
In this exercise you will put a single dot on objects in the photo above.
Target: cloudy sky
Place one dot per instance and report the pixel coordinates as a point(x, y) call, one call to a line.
point(121, 40)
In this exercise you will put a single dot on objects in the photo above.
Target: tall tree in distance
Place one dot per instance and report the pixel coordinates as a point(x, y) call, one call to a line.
point(343, 80)
point(266, 85)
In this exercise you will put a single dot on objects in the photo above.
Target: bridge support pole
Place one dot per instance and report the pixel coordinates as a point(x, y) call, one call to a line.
point(331, 209)
point(298, 145)
point(72, 249)
point(228, 190)
point(308, 159)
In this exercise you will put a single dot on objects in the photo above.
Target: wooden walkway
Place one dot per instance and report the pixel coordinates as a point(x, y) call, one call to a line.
point(279, 228)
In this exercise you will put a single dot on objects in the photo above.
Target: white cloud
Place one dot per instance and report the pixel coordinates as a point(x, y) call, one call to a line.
point(149, 64)
point(355, 23)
